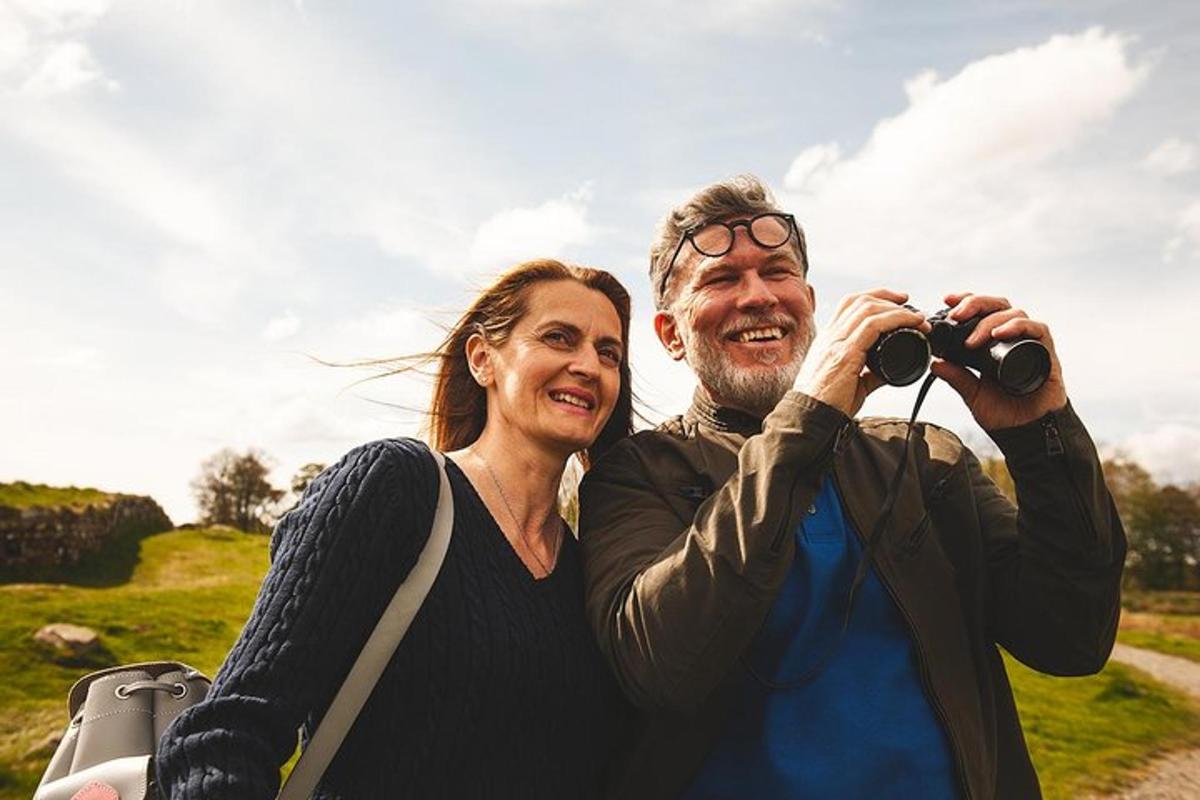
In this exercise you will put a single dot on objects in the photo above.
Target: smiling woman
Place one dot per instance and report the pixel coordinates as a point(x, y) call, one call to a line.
point(498, 689)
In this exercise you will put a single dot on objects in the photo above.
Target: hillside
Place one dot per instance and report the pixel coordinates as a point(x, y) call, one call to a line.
point(51, 533)
point(22, 495)
point(190, 591)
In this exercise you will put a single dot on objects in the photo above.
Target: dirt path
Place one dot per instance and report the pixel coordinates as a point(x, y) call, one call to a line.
point(1176, 777)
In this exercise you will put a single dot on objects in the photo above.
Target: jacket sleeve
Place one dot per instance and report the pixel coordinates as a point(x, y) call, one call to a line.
point(337, 560)
point(1054, 562)
point(674, 601)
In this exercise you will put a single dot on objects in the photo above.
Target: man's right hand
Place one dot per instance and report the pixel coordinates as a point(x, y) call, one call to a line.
point(835, 370)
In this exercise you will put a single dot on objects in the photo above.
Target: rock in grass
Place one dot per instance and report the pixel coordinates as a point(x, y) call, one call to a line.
point(68, 640)
point(46, 746)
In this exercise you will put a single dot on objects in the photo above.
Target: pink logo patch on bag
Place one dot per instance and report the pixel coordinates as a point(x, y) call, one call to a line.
point(97, 791)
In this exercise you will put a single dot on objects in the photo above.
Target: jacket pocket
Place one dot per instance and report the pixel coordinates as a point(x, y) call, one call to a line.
point(911, 543)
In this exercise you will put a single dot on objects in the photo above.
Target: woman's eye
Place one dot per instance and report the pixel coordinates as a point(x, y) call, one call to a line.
point(610, 356)
point(557, 337)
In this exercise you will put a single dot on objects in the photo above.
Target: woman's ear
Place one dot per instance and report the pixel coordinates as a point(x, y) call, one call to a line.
point(479, 359)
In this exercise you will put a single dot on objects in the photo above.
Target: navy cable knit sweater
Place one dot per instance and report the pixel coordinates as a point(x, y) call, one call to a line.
point(498, 690)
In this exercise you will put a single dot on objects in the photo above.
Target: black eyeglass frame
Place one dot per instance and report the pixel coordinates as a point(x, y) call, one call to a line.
point(690, 236)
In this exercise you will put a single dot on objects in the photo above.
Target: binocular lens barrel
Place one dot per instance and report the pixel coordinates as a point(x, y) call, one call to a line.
point(902, 356)
point(1021, 366)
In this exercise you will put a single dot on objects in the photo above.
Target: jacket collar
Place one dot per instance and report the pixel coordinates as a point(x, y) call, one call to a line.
point(716, 417)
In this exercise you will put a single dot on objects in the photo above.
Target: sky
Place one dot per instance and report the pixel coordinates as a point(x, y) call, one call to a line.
point(199, 199)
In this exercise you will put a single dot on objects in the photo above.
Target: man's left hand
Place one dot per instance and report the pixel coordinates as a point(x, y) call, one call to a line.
point(992, 407)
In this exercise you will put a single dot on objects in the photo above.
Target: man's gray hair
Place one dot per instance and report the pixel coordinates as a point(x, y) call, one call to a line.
point(742, 194)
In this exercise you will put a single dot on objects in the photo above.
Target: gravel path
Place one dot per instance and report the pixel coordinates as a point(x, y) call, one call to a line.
point(1176, 777)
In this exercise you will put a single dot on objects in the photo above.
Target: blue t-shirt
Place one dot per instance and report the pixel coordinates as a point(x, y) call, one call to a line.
point(863, 726)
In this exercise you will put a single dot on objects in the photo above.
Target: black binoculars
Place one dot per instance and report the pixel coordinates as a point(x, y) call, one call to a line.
point(902, 356)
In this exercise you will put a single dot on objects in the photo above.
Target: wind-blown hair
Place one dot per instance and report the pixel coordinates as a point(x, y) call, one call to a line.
point(458, 412)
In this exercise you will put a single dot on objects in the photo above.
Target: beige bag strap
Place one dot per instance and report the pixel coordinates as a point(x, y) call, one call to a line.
point(377, 652)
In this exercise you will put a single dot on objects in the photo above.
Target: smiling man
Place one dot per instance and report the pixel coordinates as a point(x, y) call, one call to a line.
point(727, 581)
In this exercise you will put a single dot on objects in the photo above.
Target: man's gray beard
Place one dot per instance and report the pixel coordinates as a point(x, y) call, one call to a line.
point(757, 391)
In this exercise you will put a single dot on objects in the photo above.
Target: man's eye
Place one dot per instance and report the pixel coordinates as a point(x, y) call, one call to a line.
point(557, 337)
point(722, 279)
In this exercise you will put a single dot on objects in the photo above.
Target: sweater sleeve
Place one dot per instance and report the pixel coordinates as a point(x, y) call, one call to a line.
point(337, 559)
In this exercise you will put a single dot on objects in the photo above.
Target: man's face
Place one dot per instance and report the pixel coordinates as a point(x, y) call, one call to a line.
point(743, 321)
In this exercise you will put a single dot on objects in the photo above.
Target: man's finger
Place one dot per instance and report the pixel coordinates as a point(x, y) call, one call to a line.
point(972, 305)
point(871, 326)
point(1022, 326)
point(985, 330)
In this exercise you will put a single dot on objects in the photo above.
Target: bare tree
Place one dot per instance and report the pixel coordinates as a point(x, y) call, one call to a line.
point(233, 489)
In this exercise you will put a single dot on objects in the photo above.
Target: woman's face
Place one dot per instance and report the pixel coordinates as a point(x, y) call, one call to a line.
point(557, 376)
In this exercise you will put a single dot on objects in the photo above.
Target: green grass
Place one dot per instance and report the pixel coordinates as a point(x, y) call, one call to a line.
point(1172, 644)
point(187, 598)
point(1093, 735)
point(1176, 634)
point(188, 592)
point(29, 495)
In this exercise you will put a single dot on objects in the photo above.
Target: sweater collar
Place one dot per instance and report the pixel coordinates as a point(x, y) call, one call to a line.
point(706, 412)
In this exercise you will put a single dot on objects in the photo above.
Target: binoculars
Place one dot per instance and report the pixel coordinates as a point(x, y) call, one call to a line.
point(902, 356)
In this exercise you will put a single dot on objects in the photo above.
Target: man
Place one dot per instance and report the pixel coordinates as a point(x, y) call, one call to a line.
point(721, 548)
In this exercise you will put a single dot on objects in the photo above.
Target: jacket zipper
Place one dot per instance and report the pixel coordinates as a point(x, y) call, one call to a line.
point(1057, 453)
point(922, 659)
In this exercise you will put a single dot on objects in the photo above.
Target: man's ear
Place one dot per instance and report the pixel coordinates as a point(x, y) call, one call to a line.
point(479, 360)
point(667, 328)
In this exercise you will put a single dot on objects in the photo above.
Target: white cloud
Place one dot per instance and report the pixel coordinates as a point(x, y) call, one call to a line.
point(199, 288)
point(1186, 241)
point(63, 16)
point(90, 359)
point(68, 66)
point(41, 49)
point(548, 230)
point(1171, 452)
point(812, 168)
point(1172, 157)
point(282, 327)
point(125, 168)
point(965, 174)
point(640, 23)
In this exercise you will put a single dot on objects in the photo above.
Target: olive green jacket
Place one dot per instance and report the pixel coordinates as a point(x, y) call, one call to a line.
point(686, 535)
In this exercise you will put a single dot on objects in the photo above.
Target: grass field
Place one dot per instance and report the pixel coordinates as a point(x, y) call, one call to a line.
point(188, 597)
point(1174, 634)
point(189, 591)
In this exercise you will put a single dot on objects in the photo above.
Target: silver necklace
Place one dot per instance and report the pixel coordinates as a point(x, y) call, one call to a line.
point(520, 530)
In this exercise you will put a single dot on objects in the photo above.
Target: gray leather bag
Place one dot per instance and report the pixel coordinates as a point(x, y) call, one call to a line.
point(118, 714)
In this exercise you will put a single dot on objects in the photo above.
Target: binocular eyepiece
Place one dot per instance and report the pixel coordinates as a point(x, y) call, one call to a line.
point(902, 356)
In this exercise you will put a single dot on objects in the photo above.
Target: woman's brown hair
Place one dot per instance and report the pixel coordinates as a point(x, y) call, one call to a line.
point(458, 412)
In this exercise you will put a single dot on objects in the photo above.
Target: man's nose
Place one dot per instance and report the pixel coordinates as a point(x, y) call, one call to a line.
point(755, 292)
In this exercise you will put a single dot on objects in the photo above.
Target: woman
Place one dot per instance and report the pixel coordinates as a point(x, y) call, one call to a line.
point(498, 688)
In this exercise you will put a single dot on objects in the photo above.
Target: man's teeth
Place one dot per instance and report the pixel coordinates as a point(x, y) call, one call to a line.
point(570, 398)
point(758, 334)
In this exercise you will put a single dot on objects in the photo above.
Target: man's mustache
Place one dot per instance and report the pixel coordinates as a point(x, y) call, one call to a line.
point(751, 321)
